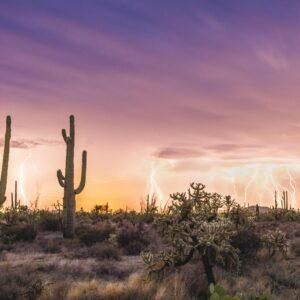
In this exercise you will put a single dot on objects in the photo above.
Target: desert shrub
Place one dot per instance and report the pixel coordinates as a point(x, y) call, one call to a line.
point(239, 216)
point(18, 232)
point(282, 215)
point(149, 209)
point(132, 238)
point(132, 216)
point(247, 241)
point(100, 212)
point(19, 284)
point(50, 246)
point(287, 278)
point(92, 234)
point(50, 221)
point(99, 251)
point(296, 247)
point(21, 215)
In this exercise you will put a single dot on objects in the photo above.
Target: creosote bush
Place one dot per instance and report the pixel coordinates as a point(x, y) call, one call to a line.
point(100, 251)
point(18, 232)
point(15, 284)
point(50, 221)
point(92, 234)
point(247, 241)
point(132, 238)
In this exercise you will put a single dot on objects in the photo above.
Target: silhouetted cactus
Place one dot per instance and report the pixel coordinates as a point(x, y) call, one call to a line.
point(285, 200)
point(67, 181)
point(4, 171)
point(257, 211)
point(15, 203)
point(275, 200)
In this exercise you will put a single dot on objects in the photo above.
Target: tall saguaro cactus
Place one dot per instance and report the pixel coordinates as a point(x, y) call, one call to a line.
point(67, 181)
point(4, 171)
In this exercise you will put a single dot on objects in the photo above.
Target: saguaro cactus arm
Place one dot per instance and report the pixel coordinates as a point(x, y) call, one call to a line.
point(61, 178)
point(4, 171)
point(64, 134)
point(83, 174)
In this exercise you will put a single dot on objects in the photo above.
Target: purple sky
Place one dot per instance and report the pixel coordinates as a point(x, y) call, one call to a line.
point(163, 91)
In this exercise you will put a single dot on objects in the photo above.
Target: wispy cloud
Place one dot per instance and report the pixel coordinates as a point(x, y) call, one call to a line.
point(178, 153)
point(277, 61)
point(28, 144)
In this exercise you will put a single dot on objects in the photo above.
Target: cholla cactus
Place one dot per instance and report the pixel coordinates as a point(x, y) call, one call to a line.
point(275, 241)
point(147, 257)
point(239, 216)
point(191, 226)
point(5, 159)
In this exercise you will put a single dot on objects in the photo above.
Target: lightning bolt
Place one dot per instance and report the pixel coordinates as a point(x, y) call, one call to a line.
point(293, 187)
point(232, 177)
point(154, 189)
point(265, 178)
point(252, 179)
point(22, 178)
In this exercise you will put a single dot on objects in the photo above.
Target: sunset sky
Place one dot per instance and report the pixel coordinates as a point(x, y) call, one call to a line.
point(164, 92)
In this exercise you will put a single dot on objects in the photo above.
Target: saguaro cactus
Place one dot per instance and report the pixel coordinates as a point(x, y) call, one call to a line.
point(4, 171)
point(67, 181)
point(285, 200)
point(15, 203)
point(275, 199)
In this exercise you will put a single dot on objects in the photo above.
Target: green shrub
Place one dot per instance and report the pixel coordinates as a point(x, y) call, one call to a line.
point(217, 292)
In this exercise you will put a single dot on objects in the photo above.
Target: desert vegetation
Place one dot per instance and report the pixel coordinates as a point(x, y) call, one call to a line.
point(202, 246)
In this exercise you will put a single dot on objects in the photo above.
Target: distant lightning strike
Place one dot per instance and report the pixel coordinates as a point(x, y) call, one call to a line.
point(293, 187)
point(252, 179)
point(22, 178)
point(154, 189)
point(264, 178)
